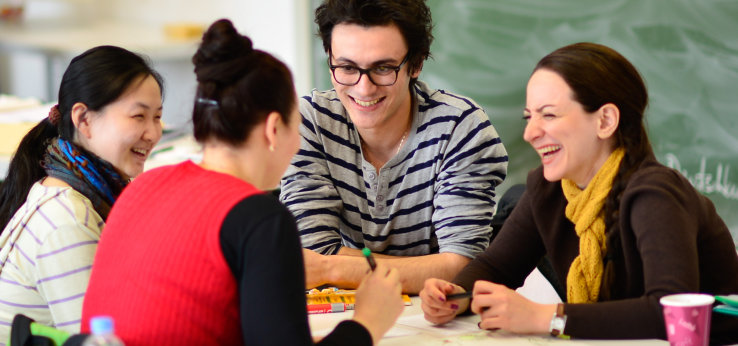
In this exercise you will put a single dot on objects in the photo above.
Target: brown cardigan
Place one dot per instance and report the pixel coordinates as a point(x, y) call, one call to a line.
point(672, 241)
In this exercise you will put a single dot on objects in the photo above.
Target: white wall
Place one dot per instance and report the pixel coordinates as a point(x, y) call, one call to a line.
point(280, 27)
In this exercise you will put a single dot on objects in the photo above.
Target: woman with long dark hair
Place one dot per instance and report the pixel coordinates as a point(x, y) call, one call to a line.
point(621, 229)
point(63, 179)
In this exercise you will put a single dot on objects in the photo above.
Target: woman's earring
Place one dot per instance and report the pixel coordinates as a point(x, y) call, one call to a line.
point(271, 147)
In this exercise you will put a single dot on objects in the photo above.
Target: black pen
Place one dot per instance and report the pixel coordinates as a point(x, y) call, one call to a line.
point(459, 296)
point(369, 258)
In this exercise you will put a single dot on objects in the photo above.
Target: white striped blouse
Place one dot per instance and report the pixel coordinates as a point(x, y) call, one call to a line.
point(46, 253)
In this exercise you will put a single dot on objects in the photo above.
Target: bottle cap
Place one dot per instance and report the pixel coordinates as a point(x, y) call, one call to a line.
point(101, 325)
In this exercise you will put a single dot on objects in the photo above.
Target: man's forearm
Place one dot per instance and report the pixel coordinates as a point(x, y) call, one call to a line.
point(349, 267)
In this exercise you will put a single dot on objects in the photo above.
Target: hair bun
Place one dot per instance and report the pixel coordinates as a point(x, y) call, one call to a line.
point(220, 57)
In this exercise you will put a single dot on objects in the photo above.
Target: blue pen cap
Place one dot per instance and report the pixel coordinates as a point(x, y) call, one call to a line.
point(101, 325)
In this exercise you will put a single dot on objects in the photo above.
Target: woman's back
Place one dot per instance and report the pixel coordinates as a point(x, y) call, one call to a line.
point(160, 272)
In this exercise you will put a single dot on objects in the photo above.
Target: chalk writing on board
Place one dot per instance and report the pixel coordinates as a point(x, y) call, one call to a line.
point(705, 182)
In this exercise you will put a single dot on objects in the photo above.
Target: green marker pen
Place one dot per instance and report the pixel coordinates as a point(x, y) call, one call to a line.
point(369, 258)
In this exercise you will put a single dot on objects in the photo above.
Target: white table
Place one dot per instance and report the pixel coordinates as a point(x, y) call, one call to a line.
point(320, 324)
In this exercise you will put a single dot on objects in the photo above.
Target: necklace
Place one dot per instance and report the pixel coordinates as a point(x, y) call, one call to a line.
point(402, 140)
point(397, 151)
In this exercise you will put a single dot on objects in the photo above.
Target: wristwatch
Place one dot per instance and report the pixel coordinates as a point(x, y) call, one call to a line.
point(558, 322)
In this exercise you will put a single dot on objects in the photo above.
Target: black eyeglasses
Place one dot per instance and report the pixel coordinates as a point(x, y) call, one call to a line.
point(382, 75)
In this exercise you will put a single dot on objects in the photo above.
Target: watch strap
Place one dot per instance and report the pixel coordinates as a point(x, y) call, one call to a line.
point(558, 322)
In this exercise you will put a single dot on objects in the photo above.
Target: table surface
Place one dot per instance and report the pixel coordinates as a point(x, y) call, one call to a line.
point(464, 333)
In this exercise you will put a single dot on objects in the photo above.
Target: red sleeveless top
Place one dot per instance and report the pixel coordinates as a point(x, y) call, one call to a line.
point(159, 269)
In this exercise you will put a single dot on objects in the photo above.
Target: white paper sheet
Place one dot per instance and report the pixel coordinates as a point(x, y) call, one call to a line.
point(392, 333)
point(454, 327)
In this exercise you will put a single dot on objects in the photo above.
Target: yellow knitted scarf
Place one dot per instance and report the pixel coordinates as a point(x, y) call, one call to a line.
point(584, 209)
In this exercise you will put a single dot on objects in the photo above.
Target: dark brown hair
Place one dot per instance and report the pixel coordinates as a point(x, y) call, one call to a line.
point(598, 75)
point(412, 17)
point(238, 86)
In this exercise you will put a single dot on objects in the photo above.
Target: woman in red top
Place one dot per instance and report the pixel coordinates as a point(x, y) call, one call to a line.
point(197, 253)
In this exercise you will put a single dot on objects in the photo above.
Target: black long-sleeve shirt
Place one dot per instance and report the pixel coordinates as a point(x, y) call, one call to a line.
point(261, 246)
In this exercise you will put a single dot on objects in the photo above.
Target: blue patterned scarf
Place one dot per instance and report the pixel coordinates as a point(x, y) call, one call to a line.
point(85, 172)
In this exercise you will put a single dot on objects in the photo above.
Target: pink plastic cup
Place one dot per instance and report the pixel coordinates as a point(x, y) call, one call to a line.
point(687, 318)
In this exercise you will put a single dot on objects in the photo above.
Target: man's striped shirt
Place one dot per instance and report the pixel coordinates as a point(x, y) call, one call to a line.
point(436, 195)
point(46, 253)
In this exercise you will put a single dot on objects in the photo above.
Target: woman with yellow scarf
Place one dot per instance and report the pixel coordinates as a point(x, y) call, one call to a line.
point(620, 229)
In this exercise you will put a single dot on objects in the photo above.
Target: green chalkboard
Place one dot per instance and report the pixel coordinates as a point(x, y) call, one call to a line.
point(686, 50)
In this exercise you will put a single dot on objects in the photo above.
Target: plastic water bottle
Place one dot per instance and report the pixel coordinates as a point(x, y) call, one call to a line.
point(103, 333)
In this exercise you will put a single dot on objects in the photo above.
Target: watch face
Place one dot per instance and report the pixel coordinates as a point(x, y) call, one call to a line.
point(558, 323)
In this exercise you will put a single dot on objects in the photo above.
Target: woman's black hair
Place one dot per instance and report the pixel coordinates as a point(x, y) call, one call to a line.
point(598, 75)
point(95, 78)
point(238, 86)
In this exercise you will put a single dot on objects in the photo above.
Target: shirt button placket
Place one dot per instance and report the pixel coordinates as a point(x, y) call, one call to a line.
point(380, 201)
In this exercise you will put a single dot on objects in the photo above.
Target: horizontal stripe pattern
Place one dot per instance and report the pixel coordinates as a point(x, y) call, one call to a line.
point(17, 284)
point(46, 254)
point(436, 195)
point(69, 247)
point(64, 274)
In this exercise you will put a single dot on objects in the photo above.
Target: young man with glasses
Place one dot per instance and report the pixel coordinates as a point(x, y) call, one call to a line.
point(386, 162)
